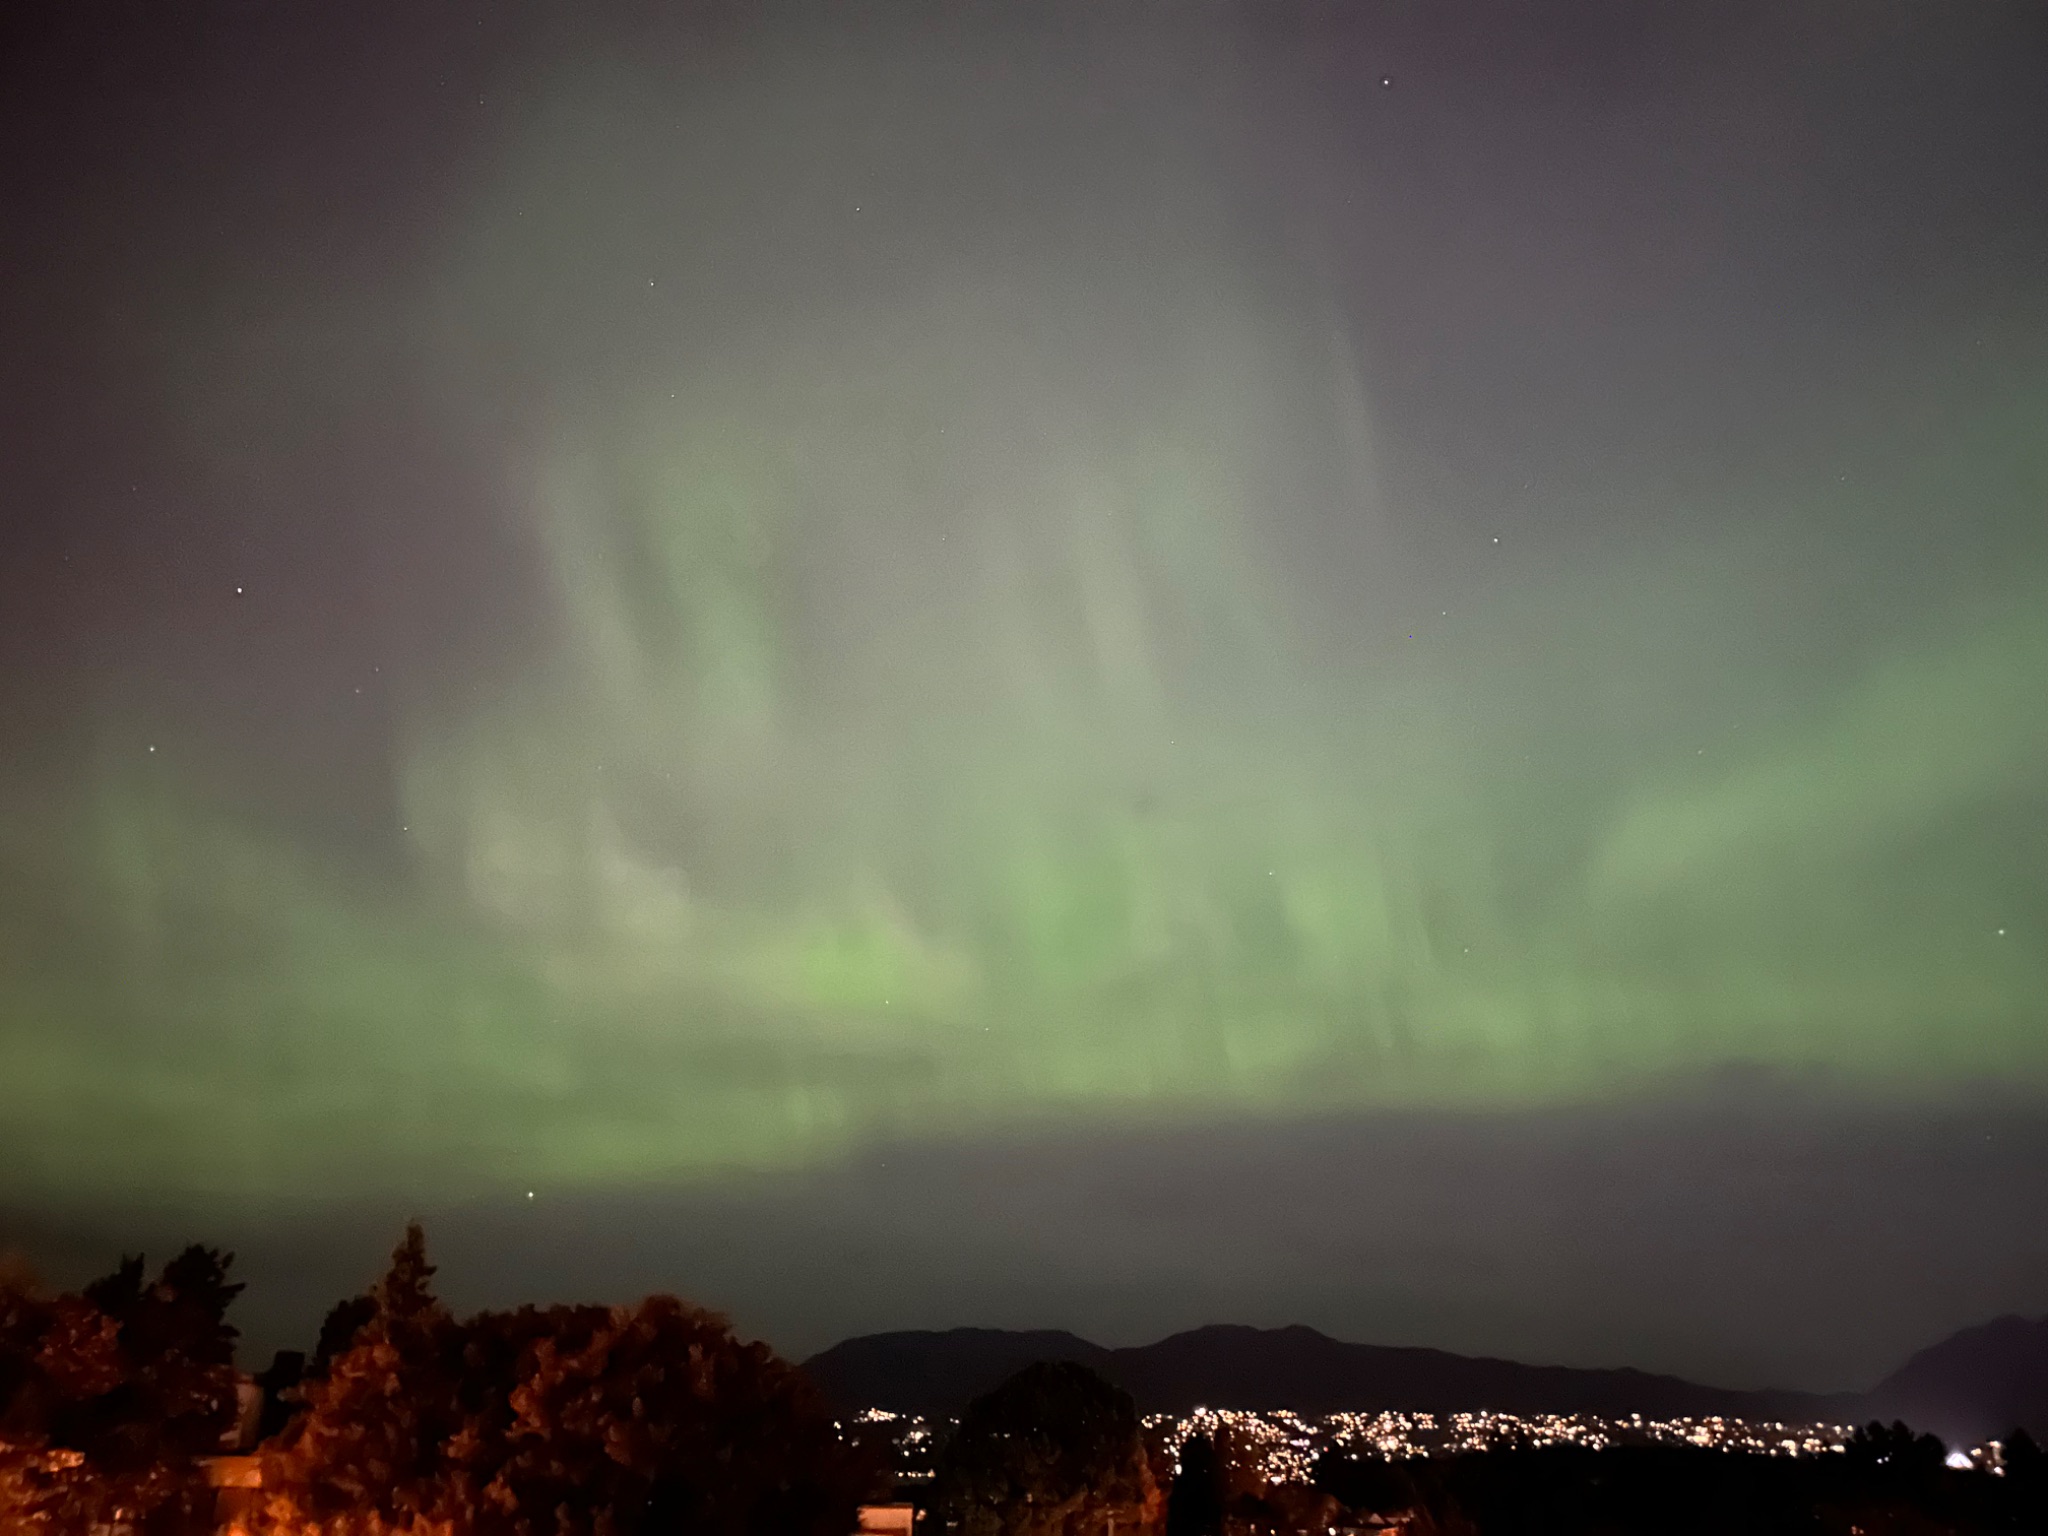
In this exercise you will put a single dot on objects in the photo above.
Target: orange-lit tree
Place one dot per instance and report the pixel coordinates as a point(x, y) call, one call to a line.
point(110, 1399)
point(554, 1422)
point(649, 1417)
point(368, 1453)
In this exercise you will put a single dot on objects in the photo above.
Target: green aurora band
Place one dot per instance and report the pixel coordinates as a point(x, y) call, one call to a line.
point(911, 747)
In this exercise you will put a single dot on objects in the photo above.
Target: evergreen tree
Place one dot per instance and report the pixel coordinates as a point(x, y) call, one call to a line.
point(338, 1330)
point(1194, 1506)
point(366, 1455)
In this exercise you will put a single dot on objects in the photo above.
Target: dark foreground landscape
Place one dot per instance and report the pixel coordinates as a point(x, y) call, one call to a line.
point(122, 1413)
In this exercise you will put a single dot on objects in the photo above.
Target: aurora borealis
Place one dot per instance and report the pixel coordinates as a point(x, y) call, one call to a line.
point(618, 605)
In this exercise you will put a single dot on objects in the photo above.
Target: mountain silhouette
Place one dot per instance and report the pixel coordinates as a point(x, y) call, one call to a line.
point(1974, 1385)
point(934, 1373)
point(1236, 1367)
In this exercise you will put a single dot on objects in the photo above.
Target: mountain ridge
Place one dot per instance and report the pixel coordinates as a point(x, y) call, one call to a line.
point(1975, 1384)
point(1971, 1386)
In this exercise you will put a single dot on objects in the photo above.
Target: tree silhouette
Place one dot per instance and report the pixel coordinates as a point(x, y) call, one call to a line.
point(651, 1417)
point(2022, 1457)
point(1053, 1451)
point(406, 1292)
point(109, 1399)
point(2026, 1476)
point(1369, 1485)
point(1194, 1506)
point(338, 1330)
point(558, 1421)
point(279, 1384)
point(1895, 1452)
point(365, 1455)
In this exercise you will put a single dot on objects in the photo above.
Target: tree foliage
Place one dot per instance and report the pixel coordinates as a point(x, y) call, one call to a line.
point(1895, 1454)
point(110, 1398)
point(366, 1453)
point(1194, 1506)
point(2026, 1474)
point(556, 1421)
point(1368, 1485)
point(1053, 1451)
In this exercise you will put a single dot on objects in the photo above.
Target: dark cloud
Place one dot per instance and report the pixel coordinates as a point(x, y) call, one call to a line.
point(1753, 1235)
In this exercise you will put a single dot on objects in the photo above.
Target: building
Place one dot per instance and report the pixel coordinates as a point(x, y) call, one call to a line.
point(886, 1520)
point(236, 1480)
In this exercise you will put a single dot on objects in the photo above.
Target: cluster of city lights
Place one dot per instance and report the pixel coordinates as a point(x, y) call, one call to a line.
point(1283, 1446)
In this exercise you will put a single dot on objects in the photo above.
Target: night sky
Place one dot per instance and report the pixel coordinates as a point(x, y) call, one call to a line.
point(1374, 664)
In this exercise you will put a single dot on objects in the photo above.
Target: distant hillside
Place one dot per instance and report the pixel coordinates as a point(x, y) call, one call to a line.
point(1974, 1385)
point(1298, 1368)
point(937, 1373)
